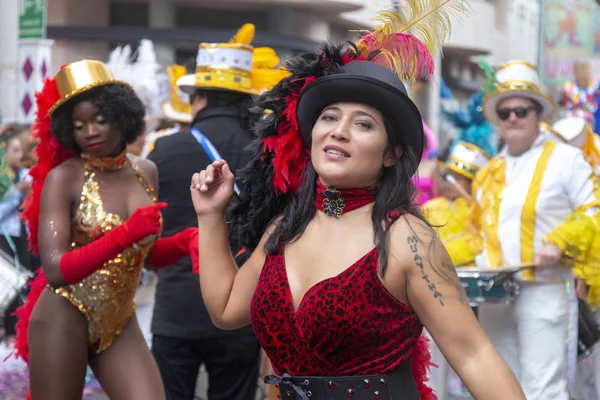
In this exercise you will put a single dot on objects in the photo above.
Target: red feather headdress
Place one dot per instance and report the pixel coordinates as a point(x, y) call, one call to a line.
point(404, 42)
point(49, 153)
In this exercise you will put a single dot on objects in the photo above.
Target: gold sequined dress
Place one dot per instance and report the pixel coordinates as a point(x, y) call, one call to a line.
point(107, 297)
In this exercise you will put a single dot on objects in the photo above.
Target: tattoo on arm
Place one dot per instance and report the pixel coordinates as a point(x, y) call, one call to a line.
point(441, 266)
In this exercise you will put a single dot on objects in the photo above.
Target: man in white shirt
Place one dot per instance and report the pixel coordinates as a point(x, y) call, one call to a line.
point(528, 200)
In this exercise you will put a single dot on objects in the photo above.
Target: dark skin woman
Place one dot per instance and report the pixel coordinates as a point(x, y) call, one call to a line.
point(59, 332)
point(97, 224)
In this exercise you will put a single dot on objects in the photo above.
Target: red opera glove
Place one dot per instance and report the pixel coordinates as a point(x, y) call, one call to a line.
point(77, 265)
point(194, 253)
point(167, 251)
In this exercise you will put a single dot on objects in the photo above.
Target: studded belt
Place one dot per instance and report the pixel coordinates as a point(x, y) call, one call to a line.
point(397, 385)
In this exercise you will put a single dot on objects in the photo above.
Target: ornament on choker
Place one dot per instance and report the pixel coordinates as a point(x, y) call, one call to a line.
point(334, 202)
point(106, 163)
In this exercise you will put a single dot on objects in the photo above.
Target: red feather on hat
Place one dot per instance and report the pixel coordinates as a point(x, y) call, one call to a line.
point(403, 42)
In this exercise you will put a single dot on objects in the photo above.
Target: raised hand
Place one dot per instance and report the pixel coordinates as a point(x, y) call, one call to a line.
point(212, 188)
point(144, 222)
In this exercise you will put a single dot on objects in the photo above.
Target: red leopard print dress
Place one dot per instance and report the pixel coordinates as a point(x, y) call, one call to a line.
point(345, 325)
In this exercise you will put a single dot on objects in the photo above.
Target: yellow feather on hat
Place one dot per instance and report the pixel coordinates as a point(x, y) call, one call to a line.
point(244, 35)
point(264, 79)
point(406, 38)
point(264, 57)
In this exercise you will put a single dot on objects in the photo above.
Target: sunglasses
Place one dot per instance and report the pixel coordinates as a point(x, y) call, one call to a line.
point(521, 112)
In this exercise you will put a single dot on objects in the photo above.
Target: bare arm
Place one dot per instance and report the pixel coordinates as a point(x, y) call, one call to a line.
point(62, 265)
point(54, 232)
point(227, 291)
point(433, 289)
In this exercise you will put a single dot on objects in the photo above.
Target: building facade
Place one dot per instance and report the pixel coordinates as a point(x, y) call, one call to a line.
point(92, 29)
point(497, 29)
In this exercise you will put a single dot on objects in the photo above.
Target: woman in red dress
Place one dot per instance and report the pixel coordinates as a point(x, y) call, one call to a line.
point(344, 271)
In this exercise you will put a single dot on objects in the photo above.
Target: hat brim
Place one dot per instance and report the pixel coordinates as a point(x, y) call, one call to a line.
point(176, 116)
point(459, 171)
point(187, 84)
point(395, 105)
point(491, 101)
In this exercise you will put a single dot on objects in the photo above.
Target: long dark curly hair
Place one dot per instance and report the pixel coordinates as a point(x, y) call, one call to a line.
point(118, 103)
point(259, 203)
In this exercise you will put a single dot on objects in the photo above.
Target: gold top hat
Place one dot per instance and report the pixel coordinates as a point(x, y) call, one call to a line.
point(178, 108)
point(466, 159)
point(516, 78)
point(235, 66)
point(81, 76)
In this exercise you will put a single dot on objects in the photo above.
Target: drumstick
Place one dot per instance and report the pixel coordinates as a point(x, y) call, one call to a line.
point(529, 265)
point(450, 179)
point(502, 268)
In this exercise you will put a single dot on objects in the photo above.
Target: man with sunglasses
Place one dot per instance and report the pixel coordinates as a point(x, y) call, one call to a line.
point(529, 200)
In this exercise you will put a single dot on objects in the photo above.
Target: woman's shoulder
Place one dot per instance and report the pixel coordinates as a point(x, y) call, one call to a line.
point(67, 169)
point(65, 178)
point(147, 168)
point(143, 164)
point(408, 231)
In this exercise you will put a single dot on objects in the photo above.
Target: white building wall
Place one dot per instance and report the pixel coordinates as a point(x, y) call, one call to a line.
point(77, 13)
point(9, 57)
point(524, 30)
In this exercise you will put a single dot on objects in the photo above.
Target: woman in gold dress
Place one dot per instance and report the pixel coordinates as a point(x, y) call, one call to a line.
point(93, 216)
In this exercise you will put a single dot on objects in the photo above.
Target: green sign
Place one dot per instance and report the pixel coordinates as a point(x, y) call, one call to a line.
point(32, 21)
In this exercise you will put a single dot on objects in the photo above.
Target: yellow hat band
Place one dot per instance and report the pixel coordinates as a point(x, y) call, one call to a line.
point(224, 78)
point(465, 169)
point(518, 85)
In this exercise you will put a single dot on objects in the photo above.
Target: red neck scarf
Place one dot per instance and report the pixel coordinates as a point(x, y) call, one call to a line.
point(334, 202)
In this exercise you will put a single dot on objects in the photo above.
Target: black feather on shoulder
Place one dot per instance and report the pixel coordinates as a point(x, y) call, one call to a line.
point(258, 203)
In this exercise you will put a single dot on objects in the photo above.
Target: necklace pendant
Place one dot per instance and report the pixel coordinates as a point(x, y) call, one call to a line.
point(333, 204)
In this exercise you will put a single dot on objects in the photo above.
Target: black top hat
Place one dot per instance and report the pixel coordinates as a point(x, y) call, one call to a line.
point(367, 83)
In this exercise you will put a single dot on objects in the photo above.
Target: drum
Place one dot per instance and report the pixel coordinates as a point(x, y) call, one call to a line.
point(12, 280)
point(484, 287)
point(589, 333)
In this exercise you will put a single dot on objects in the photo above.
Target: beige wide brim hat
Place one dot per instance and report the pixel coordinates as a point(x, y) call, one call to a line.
point(516, 79)
point(187, 84)
point(178, 108)
point(466, 159)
